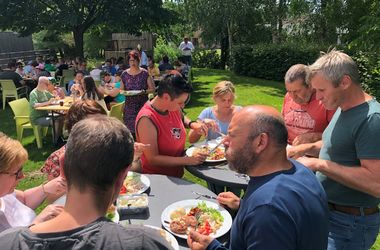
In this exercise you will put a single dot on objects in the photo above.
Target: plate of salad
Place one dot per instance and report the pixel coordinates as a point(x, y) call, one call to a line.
point(205, 217)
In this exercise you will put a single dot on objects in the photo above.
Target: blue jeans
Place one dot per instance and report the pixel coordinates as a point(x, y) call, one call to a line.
point(350, 232)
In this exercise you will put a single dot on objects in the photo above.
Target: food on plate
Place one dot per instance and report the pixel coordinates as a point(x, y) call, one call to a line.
point(203, 219)
point(132, 184)
point(138, 200)
point(217, 154)
point(111, 212)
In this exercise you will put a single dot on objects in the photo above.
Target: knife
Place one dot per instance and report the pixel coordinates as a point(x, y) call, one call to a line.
point(214, 148)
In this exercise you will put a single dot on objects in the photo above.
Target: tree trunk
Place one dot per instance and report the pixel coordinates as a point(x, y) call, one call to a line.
point(78, 33)
point(229, 35)
point(224, 51)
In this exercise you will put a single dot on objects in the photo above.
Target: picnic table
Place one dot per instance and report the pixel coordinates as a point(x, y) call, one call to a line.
point(56, 110)
point(163, 191)
point(219, 174)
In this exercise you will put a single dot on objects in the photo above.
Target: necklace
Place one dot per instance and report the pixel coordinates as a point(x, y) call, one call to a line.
point(158, 110)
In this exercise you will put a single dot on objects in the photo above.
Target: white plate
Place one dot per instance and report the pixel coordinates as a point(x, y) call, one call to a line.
point(212, 144)
point(168, 237)
point(131, 92)
point(187, 205)
point(144, 181)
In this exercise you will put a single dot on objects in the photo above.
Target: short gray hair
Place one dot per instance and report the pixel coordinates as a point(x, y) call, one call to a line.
point(334, 65)
point(271, 125)
point(297, 72)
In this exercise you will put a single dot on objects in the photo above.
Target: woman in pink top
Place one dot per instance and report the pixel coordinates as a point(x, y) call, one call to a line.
point(161, 124)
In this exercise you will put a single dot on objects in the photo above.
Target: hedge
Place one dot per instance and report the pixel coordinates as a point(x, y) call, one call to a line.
point(269, 61)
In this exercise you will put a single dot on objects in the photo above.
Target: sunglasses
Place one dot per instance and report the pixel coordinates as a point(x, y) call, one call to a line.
point(19, 174)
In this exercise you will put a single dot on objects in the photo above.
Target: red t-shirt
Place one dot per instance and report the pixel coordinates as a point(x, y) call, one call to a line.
point(171, 139)
point(305, 118)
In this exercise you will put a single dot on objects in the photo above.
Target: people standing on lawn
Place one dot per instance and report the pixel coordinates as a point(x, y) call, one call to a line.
point(304, 115)
point(218, 117)
point(161, 124)
point(135, 78)
point(16, 206)
point(102, 148)
point(187, 48)
point(284, 206)
point(349, 157)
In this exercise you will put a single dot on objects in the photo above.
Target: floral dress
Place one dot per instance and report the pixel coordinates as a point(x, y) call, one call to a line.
point(51, 166)
point(133, 104)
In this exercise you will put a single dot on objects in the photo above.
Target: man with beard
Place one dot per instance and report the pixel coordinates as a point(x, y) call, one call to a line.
point(284, 206)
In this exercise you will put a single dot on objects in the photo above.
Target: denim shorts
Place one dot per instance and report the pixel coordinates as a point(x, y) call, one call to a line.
point(351, 232)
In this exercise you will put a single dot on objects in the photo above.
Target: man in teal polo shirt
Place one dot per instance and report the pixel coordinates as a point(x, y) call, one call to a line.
point(349, 160)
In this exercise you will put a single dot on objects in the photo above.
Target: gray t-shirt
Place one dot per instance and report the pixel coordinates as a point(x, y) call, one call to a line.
point(100, 234)
point(351, 135)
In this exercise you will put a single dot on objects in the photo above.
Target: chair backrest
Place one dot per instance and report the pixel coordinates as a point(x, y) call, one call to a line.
point(20, 107)
point(68, 74)
point(103, 104)
point(7, 84)
point(117, 111)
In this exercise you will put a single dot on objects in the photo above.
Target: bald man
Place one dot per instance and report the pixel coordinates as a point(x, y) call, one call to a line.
point(284, 206)
point(40, 97)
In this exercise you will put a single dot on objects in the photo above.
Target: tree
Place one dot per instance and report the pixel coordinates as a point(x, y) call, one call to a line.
point(29, 16)
point(223, 21)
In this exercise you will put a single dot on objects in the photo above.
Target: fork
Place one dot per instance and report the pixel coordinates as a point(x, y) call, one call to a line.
point(204, 195)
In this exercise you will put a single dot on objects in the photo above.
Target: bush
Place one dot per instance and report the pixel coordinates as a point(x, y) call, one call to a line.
point(269, 61)
point(162, 48)
point(206, 59)
point(369, 68)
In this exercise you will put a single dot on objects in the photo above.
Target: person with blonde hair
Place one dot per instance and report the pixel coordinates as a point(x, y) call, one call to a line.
point(16, 207)
point(218, 117)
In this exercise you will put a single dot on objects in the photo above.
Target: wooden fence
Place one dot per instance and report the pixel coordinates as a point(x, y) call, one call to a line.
point(122, 43)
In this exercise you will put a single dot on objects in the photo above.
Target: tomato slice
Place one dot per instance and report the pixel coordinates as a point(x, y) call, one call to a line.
point(123, 190)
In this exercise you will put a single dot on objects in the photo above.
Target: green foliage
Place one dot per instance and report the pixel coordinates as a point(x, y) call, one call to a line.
point(369, 67)
point(270, 61)
point(206, 59)
point(163, 48)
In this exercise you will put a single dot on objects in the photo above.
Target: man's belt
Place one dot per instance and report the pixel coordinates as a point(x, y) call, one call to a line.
point(358, 211)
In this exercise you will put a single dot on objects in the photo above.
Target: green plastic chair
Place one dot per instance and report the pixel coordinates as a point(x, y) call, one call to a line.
point(10, 90)
point(20, 108)
point(68, 74)
point(117, 111)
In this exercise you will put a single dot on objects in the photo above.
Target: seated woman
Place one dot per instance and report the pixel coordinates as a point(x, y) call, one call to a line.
point(219, 116)
point(89, 91)
point(77, 112)
point(161, 124)
point(112, 90)
point(17, 207)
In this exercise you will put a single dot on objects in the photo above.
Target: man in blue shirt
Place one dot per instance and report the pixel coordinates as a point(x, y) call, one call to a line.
point(284, 206)
point(349, 157)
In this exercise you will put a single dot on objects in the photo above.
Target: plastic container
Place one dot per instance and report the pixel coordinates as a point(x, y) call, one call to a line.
point(132, 204)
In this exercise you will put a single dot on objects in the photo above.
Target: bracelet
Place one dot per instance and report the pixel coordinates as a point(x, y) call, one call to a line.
point(191, 122)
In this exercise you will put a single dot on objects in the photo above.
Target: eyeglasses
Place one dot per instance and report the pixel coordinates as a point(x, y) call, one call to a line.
point(19, 174)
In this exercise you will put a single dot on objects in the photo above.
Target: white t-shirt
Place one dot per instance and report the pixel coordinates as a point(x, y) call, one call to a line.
point(14, 213)
point(186, 48)
point(95, 74)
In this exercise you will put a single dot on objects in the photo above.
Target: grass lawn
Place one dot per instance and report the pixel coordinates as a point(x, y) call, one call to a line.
point(248, 90)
